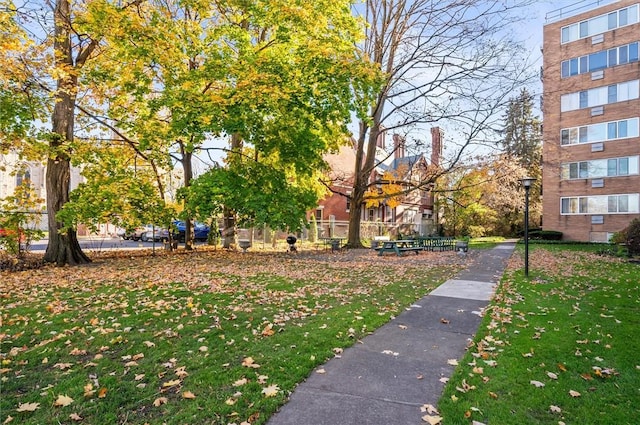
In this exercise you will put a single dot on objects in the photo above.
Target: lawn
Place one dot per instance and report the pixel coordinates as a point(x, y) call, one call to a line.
point(190, 338)
point(559, 348)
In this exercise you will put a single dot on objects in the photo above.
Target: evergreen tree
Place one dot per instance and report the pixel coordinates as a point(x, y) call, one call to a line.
point(523, 133)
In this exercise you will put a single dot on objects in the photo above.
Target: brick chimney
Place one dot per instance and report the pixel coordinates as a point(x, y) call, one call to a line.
point(436, 145)
point(398, 146)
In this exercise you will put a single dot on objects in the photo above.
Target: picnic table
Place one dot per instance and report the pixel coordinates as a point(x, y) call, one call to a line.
point(400, 246)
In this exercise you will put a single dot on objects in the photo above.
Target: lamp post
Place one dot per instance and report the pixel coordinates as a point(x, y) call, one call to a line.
point(526, 182)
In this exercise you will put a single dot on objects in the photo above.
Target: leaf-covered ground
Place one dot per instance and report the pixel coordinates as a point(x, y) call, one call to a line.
point(209, 337)
point(561, 348)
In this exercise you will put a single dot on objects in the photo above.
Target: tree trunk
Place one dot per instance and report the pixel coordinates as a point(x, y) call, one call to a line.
point(229, 233)
point(365, 160)
point(187, 167)
point(63, 247)
point(229, 228)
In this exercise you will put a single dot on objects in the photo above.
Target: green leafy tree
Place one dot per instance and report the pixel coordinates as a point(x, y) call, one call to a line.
point(48, 68)
point(274, 78)
point(19, 215)
point(116, 191)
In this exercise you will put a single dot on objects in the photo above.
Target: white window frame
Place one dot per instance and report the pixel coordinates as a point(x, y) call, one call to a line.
point(598, 24)
point(599, 168)
point(601, 204)
point(597, 96)
point(573, 133)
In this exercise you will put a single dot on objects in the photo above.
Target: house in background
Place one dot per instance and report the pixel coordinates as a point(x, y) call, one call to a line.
point(15, 171)
point(412, 213)
point(591, 110)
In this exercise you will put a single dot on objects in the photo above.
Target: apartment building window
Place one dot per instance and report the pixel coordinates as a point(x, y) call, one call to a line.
point(599, 24)
point(600, 60)
point(601, 132)
point(598, 96)
point(602, 204)
point(598, 168)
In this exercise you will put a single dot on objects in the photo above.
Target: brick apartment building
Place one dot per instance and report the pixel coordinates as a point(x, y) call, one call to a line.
point(591, 109)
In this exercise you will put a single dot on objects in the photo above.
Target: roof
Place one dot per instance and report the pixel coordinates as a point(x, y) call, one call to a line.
point(409, 161)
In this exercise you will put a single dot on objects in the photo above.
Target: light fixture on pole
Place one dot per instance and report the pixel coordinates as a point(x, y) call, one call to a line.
point(526, 182)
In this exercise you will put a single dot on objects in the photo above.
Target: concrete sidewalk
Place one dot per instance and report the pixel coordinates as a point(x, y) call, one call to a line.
point(387, 377)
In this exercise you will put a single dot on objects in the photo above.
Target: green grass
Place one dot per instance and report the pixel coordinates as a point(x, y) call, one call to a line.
point(573, 326)
point(167, 339)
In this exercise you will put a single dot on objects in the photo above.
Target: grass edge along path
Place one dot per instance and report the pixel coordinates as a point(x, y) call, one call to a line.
point(560, 348)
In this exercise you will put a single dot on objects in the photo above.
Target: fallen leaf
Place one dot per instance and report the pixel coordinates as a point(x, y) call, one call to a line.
point(321, 371)
point(555, 409)
point(181, 372)
point(271, 390)
point(139, 377)
point(240, 382)
point(444, 321)
point(268, 330)
point(538, 384)
point(9, 419)
point(444, 379)
point(452, 362)
point(149, 344)
point(171, 383)
point(403, 327)
point(249, 362)
point(262, 379)
point(63, 400)
point(102, 393)
point(203, 349)
point(160, 401)
point(27, 407)
point(75, 417)
point(429, 408)
point(188, 395)
point(88, 390)
point(137, 357)
point(63, 366)
point(574, 394)
point(432, 420)
point(552, 375)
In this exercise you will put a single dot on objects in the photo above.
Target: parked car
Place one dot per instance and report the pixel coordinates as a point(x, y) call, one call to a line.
point(157, 235)
point(200, 230)
point(136, 234)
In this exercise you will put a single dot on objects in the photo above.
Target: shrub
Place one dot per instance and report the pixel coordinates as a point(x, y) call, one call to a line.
point(545, 235)
point(631, 235)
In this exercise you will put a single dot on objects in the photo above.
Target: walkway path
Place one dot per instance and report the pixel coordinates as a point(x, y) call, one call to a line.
point(387, 377)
